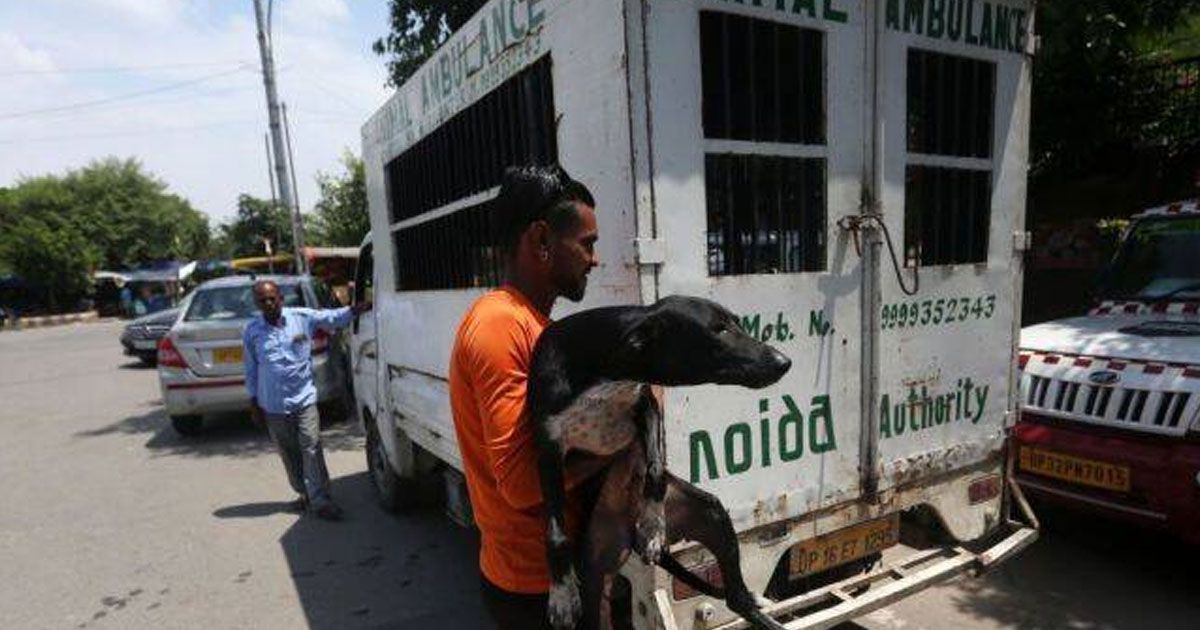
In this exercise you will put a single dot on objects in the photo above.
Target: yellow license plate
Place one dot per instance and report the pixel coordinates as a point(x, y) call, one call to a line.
point(227, 355)
point(1087, 472)
point(844, 545)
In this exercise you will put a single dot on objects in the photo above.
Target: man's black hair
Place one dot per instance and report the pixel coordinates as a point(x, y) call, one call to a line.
point(537, 193)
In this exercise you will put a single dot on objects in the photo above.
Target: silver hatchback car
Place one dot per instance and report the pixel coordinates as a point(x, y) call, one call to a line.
point(200, 367)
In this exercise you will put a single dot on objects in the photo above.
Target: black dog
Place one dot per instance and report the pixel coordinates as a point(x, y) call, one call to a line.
point(587, 394)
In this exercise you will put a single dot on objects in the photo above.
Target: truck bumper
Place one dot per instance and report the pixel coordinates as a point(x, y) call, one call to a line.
point(1164, 484)
point(889, 583)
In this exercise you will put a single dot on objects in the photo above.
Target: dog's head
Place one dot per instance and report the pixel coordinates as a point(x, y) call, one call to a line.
point(692, 341)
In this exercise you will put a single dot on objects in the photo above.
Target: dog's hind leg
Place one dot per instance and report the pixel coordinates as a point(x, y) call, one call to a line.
point(609, 535)
point(651, 525)
point(693, 514)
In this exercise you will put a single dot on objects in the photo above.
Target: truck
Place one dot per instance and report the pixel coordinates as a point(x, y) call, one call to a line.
point(1110, 419)
point(847, 176)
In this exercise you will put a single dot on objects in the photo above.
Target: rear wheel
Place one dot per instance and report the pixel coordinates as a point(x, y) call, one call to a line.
point(187, 425)
point(394, 493)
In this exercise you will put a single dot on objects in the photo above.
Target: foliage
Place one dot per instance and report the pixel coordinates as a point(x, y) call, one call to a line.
point(51, 255)
point(340, 217)
point(256, 219)
point(55, 230)
point(1096, 96)
point(418, 27)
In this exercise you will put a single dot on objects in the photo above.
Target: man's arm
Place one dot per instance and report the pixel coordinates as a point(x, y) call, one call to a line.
point(250, 364)
point(330, 318)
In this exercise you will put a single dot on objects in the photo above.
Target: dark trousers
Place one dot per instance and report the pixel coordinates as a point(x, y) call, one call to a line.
point(514, 611)
point(298, 437)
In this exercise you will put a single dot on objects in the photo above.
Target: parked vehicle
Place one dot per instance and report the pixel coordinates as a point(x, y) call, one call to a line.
point(1110, 418)
point(766, 156)
point(140, 337)
point(200, 367)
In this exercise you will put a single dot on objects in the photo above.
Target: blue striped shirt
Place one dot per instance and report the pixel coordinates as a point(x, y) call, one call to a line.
point(278, 359)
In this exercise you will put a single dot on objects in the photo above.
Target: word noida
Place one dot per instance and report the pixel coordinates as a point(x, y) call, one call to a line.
point(919, 411)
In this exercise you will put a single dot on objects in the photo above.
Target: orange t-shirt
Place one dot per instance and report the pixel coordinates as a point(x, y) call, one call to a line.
point(489, 369)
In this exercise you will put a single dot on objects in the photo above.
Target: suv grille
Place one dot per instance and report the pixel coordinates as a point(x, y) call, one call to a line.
point(1150, 397)
point(1116, 404)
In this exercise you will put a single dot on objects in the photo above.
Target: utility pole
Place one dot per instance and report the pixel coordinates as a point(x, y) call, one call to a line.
point(286, 193)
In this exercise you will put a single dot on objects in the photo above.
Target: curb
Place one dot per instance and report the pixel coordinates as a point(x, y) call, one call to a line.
point(51, 320)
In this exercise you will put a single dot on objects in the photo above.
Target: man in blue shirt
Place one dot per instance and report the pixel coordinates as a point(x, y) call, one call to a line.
point(279, 378)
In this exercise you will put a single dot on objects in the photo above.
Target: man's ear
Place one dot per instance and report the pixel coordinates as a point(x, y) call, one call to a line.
point(539, 235)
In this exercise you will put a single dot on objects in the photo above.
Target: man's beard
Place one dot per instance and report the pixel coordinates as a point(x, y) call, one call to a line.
point(575, 290)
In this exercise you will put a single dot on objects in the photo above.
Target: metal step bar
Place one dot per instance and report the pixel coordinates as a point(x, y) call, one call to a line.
point(889, 583)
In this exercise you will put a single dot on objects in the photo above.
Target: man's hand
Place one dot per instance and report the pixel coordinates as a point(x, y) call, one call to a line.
point(257, 415)
point(361, 307)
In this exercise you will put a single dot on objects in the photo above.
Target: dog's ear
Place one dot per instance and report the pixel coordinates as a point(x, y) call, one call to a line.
point(642, 335)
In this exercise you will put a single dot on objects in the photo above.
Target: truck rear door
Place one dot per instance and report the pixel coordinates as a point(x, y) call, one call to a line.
point(756, 129)
point(952, 80)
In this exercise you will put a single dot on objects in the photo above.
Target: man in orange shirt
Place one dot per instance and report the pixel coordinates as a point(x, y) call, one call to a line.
point(548, 224)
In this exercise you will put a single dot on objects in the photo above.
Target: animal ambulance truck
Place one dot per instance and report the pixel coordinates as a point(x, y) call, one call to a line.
point(847, 176)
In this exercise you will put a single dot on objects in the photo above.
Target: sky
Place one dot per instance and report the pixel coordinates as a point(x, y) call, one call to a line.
point(176, 85)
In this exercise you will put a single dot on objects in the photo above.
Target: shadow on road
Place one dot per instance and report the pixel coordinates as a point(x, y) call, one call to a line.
point(225, 435)
point(254, 510)
point(375, 570)
point(137, 365)
point(1083, 573)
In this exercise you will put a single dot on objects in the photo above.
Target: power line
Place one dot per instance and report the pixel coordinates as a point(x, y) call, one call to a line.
point(119, 97)
point(119, 134)
point(119, 69)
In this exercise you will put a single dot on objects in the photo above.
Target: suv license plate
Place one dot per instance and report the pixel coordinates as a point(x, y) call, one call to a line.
point(1078, 470)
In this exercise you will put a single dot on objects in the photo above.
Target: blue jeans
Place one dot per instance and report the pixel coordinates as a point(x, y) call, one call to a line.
point(298, 438)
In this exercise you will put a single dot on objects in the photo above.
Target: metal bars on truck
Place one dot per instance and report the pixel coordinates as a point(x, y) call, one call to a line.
point(763, 107)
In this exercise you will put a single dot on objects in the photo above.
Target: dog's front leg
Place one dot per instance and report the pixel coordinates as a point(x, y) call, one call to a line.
point(651, 526)
point(693, 514)
point(564, 606)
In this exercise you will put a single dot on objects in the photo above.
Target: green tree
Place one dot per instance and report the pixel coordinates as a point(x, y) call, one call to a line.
point(256, 219)
point(418, 27)
point(52, 256)
point(1095, 99)
point(55, 230)
point(340, 216)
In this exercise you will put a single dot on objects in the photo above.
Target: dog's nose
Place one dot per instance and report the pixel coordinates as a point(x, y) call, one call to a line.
point(780, 362)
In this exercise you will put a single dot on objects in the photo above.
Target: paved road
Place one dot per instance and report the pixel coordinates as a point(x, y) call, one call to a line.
point(110, 520)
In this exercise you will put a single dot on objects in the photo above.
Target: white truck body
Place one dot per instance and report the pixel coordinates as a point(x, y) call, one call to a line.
point(895, 401)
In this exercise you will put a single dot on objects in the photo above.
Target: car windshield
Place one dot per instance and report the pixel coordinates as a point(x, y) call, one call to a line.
point(1157, 261)
point(224, 303)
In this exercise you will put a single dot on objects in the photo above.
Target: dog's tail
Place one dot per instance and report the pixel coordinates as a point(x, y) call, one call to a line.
point(759, 619)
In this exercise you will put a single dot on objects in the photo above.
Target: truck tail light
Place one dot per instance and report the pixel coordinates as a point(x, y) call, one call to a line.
point(707, 571)
point(169, 355)
point(984, 489)
point(320, 342)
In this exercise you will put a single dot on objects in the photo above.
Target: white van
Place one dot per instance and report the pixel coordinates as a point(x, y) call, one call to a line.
point(848, 176)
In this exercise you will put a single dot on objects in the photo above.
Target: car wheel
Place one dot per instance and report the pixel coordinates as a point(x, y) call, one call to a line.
point(148, 361)
point(187, 425)
point(394, 493)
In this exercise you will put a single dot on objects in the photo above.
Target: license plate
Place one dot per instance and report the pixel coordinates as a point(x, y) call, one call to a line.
point(844, 545)
point(1086, 472)
point(227, 355)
